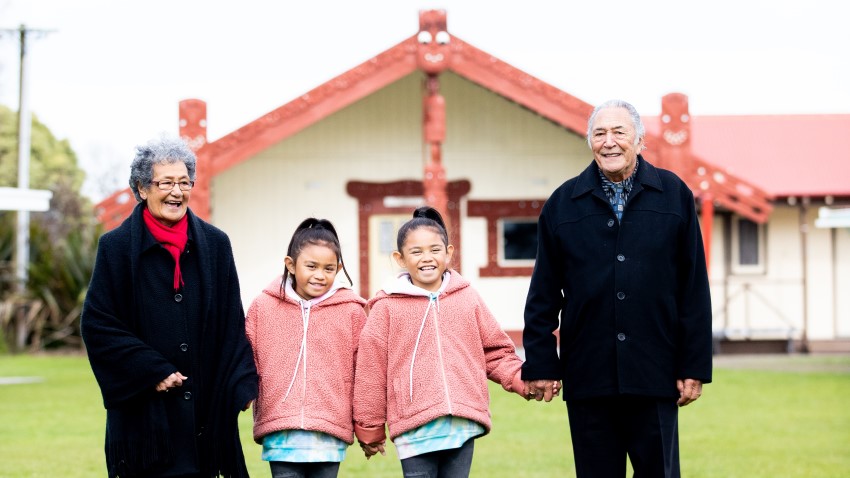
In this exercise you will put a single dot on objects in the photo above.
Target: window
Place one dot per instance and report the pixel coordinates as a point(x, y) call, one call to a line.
point(518, 241)
point(511, 235)
point(748, 247)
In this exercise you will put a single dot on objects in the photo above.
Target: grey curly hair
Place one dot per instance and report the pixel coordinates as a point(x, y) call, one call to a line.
point(165, 150)
point(636, 121)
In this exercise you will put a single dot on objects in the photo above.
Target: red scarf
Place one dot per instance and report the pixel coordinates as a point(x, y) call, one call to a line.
point(173, 239)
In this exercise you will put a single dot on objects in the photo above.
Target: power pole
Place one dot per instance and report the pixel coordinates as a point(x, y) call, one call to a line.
point(22, 238)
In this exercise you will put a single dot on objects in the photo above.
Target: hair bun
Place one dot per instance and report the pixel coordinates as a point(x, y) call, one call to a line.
point(428, 212)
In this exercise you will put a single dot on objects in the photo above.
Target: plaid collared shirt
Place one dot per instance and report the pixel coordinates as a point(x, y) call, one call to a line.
point(618, 193)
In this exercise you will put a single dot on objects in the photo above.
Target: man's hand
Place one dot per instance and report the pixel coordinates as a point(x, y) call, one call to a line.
point(689, 390)
point(542, 389)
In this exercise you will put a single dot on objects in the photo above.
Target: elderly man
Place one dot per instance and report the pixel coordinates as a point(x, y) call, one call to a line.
point(620, 257)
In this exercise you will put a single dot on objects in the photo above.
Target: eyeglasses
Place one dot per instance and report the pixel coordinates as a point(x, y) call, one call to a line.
point(168, 185)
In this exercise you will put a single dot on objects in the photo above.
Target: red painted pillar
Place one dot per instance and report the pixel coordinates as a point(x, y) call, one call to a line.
point(434, 183)
point(193, 130)
point(433, 57)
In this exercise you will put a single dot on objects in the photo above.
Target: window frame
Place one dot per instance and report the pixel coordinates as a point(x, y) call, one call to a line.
point(500, 242)
point(494, 211)
point(760, 266)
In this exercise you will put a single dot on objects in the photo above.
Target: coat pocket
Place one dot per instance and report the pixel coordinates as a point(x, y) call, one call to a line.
point(400, 396)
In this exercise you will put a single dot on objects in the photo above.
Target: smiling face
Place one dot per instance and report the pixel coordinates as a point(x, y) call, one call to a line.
point(614, 142)
point(426, 257)
point(314, 270)
point(170, 206)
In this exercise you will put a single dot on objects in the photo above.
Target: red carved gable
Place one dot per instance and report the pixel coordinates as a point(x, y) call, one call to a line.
point(441, 52)
point(705, 180)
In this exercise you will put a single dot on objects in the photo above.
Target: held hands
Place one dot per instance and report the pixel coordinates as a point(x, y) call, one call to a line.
point(370, 449)
point(689, 390)
point(171, 381)
point(542, 389)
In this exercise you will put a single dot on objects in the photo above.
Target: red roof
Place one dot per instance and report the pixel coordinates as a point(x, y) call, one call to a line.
point(785, 155)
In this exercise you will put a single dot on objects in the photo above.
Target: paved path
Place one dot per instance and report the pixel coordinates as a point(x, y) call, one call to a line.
point(19, 380)
point(837, 363)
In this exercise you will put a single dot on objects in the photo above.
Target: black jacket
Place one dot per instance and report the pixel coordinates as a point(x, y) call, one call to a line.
point(633, 297)
point(137, 331)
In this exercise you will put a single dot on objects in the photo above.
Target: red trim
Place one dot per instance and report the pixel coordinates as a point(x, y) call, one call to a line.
point(493, 211)
point(674, 152)
point(312, 107)
point(370, 199)
point(707, 212)
point(516, 85)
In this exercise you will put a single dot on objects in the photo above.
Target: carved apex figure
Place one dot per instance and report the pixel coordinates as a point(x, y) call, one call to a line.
point(675, 119)
point(433, 51)
point(193, 123)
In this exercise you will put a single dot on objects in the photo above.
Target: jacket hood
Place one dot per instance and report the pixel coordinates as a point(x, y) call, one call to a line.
point(331, 297)
point(401, 285)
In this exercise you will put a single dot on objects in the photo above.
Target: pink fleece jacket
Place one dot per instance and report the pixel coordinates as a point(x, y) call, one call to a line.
point(421, 359)
point(306, 381)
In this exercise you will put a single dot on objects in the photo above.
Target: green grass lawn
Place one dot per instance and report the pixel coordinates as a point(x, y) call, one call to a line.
point(749, 423)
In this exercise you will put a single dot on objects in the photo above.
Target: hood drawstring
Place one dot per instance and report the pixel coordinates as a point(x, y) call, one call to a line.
point(432, 299)
point(304, 305)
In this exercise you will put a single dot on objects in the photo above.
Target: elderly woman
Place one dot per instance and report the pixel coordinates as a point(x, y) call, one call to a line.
point(163, 314)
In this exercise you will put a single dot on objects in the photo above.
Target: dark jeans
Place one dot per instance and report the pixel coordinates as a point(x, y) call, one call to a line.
point(453, 463)
point(606, 430)
point(285, 469)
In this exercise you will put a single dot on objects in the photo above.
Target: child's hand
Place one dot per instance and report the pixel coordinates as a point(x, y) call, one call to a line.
point(370, 449)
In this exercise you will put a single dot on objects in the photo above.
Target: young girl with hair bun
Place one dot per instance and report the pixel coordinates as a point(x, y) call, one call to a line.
point(304, 329)
point(427, 350)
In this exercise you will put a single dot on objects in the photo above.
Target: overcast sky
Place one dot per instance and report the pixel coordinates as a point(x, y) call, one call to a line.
point(109, 74)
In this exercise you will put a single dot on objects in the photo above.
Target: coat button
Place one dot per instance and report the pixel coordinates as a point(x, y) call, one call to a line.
point(184, 347)
point(178, 297)
point(621, 257)
point(610, 223)
point(187, 396)
point(621, 295)
point(621, 337)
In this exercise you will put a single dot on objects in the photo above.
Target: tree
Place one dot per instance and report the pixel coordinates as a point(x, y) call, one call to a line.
point(63, 241)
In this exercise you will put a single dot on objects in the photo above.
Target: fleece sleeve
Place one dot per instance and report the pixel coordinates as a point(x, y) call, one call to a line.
point(370, 378)
point(502, 363)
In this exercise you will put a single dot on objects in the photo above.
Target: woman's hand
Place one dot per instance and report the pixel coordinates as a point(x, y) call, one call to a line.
point(171, 381)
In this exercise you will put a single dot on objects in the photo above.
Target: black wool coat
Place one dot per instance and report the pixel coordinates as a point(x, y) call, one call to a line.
point(633, 297)
point(137, 331)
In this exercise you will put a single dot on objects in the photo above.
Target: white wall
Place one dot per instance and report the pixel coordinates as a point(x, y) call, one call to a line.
point(842, 282)
point(260, 202)
point(770, 303)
